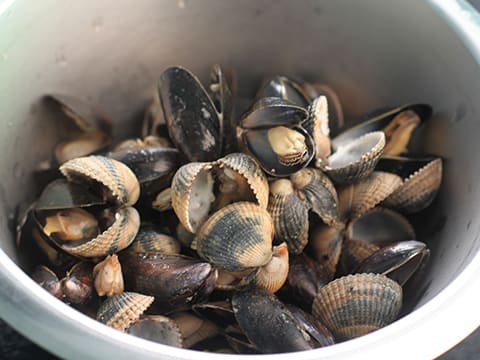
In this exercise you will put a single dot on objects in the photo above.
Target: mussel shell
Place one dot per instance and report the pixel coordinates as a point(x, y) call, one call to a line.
point(219, 312)
point(326, 245)
point(378, 122)
point(256, 141)
point(250, 170)
point(120, 311)
point(48, 280)
point(115, 238)
point(356, 159)
point(83, 145)
point(289, 215)
point(419, 188)
point(267, 323)
point(111, 178)
point(354, 252)
point(319, 192)
point(356, 199)
point(157, 328)
point(356, 305)
point(271, 112)
point(192, 184)
point(192, 119)
point(77, 286)
point(319, 334)
point(174, 280)
point(238, 341)
point(398, 261)
point(285, 88)
point(236, 238)
point(153, 166)
point(61, 194)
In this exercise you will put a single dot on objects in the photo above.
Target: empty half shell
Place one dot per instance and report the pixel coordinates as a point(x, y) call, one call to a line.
point(317, 126)
point(355, 159)
point(237, 237)
point(120, 311)
point(356, 305)
point(111, 178)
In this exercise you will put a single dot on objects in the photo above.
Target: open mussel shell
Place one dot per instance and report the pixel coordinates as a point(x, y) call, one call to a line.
point(116, 237)
point(152, 238)
point(357, 198)
point(48, 280)
point(319, 192)
point(174, 280)
point(272, 112)
point(192, 194)
point(356, 159)
point(236, 238)
point(121, 311)
point(380, 226)
point(289, 215)
point(280, 150)
point(356, 305)
point(109, 177)
point(61, 194)
point(326, 245)
point(157, 328)
point(238, 341)
point(85, 116)
point(422, 180)
point(268, 323)
point(379, 121)
point(77, 286)
point(354, 252)
point(153, 166)
point(285, 88)
point(83, 145)
point(399, 261)
point(192, 119)
point(319, 334)
point(194, 329)
point(273, 275)
point(242, 179)
point(305, 278)
point(219, 312)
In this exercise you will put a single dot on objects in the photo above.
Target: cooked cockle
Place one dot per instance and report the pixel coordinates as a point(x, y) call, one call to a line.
point(108, 278)
point(198, 188)
point(152, 238)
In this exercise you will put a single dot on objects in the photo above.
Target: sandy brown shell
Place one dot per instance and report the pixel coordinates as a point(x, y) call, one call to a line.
point(108, 278)
point(356, 305)
point(326, 244)
point(399, 131)
point(115, 238)
point(354, 252)
point(187, 199)
point(117, 179)
point(356, 199)
point(321, 130)
point(120, 311)
point(273, 275)
point(320, 193)
point(355, 160)
point(418, 190)
point(149, 239)
point(236, 238)
point(251, 172)
point(289, 215)
point(193, 328)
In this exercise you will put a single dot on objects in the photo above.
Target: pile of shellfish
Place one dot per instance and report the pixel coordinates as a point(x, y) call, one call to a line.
point(278, 230)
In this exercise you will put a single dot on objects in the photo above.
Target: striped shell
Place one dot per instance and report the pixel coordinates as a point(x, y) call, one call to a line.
point(320, 131)
point(356, 305)
point(289, 215)
point(236, 238)
point(192, 194)
point(418, 190)
point(117, 180)
point(120, 311)
point(115, 238)
point(151, 239)
point(320, 193)
point(245, 166)
point(356, 159)
point(356, 199)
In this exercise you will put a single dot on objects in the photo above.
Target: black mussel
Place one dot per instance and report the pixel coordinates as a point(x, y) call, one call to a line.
point(258, 312)
point(285, 88)
point(77, 286)
point(238, 341)
point(319, 334)
point(192, 119)
point(219, 312)
point(174, 280)
point(399, 261)
point(48, 280)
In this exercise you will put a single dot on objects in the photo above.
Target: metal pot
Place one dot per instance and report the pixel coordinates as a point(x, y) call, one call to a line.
point(374, 53)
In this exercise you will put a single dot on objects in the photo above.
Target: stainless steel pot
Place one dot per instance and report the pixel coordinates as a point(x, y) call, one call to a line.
point(374, 53)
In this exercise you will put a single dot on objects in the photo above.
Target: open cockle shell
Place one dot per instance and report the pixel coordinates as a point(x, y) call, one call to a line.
point(236, 238)
point(317, 126)
point(355, 159)
point(114, 179)
point(115, 238)
point(356, 199)
point(120, 311)
point(356, 305)
point(289, 215)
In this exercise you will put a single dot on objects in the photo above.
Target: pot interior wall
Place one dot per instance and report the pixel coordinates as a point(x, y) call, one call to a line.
point(374, 54)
